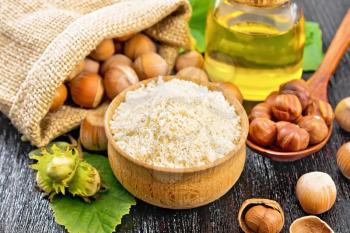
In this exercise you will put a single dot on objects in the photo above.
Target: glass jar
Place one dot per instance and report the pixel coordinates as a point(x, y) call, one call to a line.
point(255, 44)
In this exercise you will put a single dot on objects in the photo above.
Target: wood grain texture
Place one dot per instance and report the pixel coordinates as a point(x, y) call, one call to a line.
point(22, 209)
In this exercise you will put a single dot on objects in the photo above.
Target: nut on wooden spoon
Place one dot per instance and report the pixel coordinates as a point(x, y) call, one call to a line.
point(318, 88)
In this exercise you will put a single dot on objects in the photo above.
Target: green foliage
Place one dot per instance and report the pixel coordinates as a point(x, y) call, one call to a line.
point(101, 215)
point(313, 54)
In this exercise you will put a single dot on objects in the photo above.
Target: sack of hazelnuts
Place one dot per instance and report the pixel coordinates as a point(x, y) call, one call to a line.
point(55, 56)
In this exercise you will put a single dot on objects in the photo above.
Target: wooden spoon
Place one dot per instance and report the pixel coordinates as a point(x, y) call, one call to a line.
point(318, 85)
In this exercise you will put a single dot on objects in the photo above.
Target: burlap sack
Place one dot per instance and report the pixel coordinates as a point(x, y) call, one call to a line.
point(42, 40)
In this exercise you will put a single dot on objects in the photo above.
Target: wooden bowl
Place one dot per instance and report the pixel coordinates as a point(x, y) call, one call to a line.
point(177, 188)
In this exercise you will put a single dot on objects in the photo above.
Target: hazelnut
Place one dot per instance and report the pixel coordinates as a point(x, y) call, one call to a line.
point(59, 98)
point(150, 65)
point(299, 88)
point(117, 79)
point(189, 59)
point(342, 114)
point(138, 45)
point(92, 132)
point(87, 90)
point(280, 124)
point(193, 73)
point(322, 109)
point(271, 98)
point(103, 51)
point(286, 107)
point(261, 110)
point(261, 216)
point(229, 90)
point(315, 126)
point(78, 68)
point(262, 131)
point(291, 137)
point(316, 192)
point(115, 61)
point(343, 159)
point(91, 66)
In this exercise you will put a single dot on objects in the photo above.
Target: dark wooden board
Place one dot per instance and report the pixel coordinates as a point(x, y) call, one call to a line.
point(22, 208)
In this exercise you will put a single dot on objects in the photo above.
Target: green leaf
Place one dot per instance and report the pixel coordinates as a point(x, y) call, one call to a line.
point(198, 21)
point(101, 215)
point(313, 53)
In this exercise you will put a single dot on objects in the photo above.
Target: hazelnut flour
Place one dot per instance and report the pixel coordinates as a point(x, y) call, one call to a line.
point(176, 124)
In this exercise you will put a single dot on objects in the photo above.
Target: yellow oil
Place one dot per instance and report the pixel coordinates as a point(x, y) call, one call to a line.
point(256, 56)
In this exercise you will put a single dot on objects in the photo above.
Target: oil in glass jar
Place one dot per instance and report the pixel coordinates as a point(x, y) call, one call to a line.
point(255, 44)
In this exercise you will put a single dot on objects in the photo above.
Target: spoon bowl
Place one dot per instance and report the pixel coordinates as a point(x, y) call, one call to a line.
point(318, 87)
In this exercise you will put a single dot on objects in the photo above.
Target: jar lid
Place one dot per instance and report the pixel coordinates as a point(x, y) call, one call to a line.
point(263, 3)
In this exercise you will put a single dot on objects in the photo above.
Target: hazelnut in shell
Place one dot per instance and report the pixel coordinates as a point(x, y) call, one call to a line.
point(150, 65)
point(261, 216)
point(299, 88)
point(290, 137)
point(322, 109)
point(92, 132)
point(262, 131)
point(286, 107)
point(343, 159)
point(189, 59)
point(117, 79)
point(261, 110)
point(315, 126)
point(271, 98)
point(309, 224)
point(91, 66)
point(114, 61)
point(316, 192)
point(229, 89)
point(138, 45)
point(59, 98)
point(77, 69)
point(342, 114)
point(87, 90)
point(193, 73)
point(103, 51)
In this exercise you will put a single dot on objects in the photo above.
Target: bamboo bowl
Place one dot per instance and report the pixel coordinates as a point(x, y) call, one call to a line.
point(177, 188)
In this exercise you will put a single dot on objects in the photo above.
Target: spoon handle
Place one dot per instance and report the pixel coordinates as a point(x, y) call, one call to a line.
point(339, 45)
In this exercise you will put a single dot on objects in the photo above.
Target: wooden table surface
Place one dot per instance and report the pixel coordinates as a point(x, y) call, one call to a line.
point(22, 208)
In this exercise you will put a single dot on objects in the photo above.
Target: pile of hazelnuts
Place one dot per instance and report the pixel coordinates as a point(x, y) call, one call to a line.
point(116, 64)
point(290, 119)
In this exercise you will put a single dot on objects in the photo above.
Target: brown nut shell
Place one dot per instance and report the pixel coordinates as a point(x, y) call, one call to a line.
point(343, 159)
point(309, 224)
point(117, 79)
point(342, 114)
point(150, 65)
point(59, 98)
point(230, 89)
point(103, 51)
point(262, 131)
point(189, 59)
point(286, 107)
point(194, 73)
point(87, 90)
point(261, 110)
point(322, 109)
point(315, 126)
point(299, 88)
point(115, 61)
point(271, 98)
point(316, 192)
point(291, 137)
point(138, 45)
point(264, 214)
point(91, 66)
